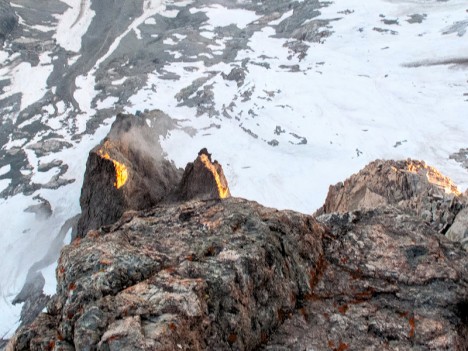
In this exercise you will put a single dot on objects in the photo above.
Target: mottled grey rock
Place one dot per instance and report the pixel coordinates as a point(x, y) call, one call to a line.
point(43, 148)
point(230, 274)
point(202, 275)
point(386, 281)
point(8, 19)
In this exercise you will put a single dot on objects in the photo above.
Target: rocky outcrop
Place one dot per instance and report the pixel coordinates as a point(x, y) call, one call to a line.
point(386, 281)
point(458, 231)
point(410, 185)
point(200, 271)
point(8, 19)
point(211, 275)
point(203, 179)
point(128, 171)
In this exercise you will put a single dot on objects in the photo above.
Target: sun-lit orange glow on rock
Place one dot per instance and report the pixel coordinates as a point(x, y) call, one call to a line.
point(434, 176)
point(121, 171)
point(223, 191)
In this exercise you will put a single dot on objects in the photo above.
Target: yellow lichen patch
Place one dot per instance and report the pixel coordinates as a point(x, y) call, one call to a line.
point(434, 176)
point(121, 171)
point(223, 191)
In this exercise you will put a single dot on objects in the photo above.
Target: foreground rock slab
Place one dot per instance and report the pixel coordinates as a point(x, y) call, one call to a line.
point(387, 281)
point(212, 275)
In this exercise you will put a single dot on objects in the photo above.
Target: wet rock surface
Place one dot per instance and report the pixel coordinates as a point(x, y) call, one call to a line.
point(230, 274)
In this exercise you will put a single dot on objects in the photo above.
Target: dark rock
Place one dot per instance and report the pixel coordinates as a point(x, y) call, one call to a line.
point(211, 275)
point(8, 19)
point(127, 171)
point(42, 211)
point(44, 167)
point(33, 298)
point(237, 74)
point(203, 179)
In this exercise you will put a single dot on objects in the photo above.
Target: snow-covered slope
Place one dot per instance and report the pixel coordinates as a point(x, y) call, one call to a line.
point(290, 96)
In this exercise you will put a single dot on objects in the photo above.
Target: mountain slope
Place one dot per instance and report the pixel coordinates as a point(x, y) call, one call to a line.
point(291, 95)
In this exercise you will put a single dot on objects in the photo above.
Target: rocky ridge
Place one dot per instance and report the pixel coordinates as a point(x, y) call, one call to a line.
point(200, 270)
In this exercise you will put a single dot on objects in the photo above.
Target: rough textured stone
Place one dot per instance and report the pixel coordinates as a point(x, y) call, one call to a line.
point(210, 275)
point(133, 143)
point(410, 185)
point(230, 274)
point(387, 281)
point(459, 229)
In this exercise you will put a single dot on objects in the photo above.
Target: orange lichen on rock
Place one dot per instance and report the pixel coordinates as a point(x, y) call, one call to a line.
point(433, 176)
point(121, 171)
point(223, 190)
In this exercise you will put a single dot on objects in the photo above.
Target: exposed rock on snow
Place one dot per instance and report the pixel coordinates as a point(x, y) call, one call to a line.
point(129, 154)
point(410, 185)
point(234, 275)
point(128, 171)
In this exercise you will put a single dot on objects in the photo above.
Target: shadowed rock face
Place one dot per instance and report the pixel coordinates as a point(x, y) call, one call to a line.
point(203, 179)
point(230, 274)
point(128, 171)
point(8, 19)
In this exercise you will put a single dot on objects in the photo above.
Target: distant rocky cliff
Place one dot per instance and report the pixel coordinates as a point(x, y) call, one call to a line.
point(191, 268)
